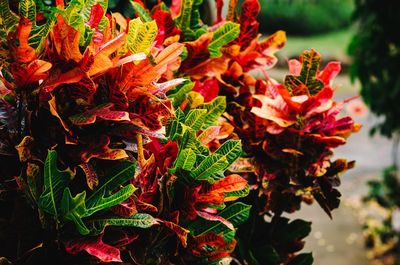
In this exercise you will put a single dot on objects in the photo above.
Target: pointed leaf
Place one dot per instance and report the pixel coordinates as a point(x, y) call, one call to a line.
point(209, 166)
point(8, 21)
point(55, 181)
point(307, 82)
point(185, 159)
point(222, 36)
point(195, 118)
point(140, 11)
point(231, 150)
point(214, 109)
point(74, 209)
point(140, 220)
point(236, 213)
point(141, 35)
point(103, 111)
point(101, 198)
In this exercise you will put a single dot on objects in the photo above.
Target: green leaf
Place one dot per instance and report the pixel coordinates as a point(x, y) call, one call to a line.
point(27, 9)
point(8, 20)
point(236, 213)
point(185, 159)
point(141, 35)
point(222, 36)
point(302, 259)
point(102, 197)
point(141, 12)
point(214, 109)
point(209, 166)
point(183, 19)
point(231, 150)
point(181, 94)
point(55, 181)
point(307, 82)
point(74, 209)
point(140, 220)
point(195, 118)
point(238, 193)
point(38, 34)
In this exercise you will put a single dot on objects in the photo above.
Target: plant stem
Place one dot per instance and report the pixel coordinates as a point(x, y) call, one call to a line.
point(395, 149)
point(20, 105)
point(140, 151)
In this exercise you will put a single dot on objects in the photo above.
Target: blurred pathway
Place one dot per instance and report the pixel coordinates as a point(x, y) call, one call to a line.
point(339, 241)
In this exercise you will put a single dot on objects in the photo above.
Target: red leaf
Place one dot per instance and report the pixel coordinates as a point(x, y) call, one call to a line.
point(248, 23)
point(209, 89)
point(95, 247)
point(331, 70)
point(148, 112)
point(92, 179)
point(33, 72)
point(197, 52)
point(175, 7)
point(166, 26)
point(103, 112)
point(181, 232)
point(219, 4)
point(212, 217)
point(96, 14)
point(126, 208)
point(209, 134)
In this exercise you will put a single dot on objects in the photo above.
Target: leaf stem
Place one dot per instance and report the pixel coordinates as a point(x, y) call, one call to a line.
point(140, 151)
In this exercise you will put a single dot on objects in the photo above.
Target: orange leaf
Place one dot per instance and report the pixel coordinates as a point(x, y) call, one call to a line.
point(22, 52)
point(230, 183)
point(34, 72)
point(66, 40)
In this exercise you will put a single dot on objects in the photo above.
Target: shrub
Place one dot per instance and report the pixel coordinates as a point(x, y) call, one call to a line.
point(376, 59)
point(123, 137)
point(307, 17)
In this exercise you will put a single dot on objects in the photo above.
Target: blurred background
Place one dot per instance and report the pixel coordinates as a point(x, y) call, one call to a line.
point(364, 36)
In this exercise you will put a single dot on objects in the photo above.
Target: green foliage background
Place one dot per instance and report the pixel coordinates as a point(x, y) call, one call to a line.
point(376, 51)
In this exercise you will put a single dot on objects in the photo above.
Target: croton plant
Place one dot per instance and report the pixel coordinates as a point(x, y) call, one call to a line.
point(150, 139)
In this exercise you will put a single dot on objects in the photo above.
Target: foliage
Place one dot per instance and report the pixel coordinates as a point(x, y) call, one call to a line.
point(141, 157)
point(376, 56)
point(316, 16)
point(102, 177)
point(382, 225)
point(288, 131)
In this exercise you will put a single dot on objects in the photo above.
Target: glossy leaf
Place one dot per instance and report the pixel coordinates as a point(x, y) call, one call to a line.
point(214, 109)
point(103, 112)
point(55, 181)
point(231, 150)
point(195, 118)
point(211, 165)
point(236, 213)
point(141, 12)
point(222, 36)
point(139, 220)
point(95, 247)
point(307, 82)
point(101, 198)
point(185, 160)
point(141, 35)
point(8, 20)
